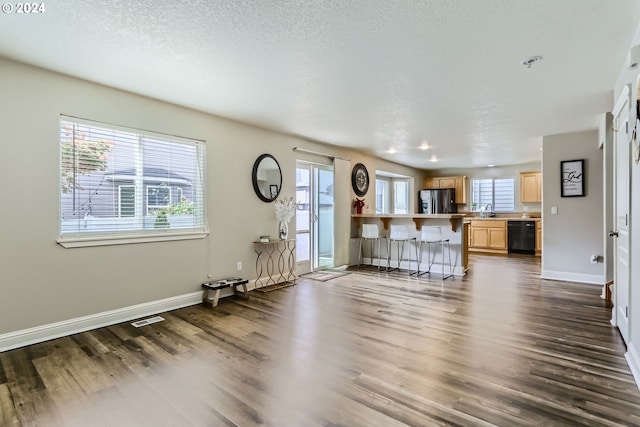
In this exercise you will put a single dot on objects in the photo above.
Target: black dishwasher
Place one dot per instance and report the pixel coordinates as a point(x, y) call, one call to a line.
point(522, 237)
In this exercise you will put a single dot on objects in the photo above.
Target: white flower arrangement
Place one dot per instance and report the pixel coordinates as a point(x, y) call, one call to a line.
point(285, 209)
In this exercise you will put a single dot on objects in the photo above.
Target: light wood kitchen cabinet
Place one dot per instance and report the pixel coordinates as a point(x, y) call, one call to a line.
point(448, 183)
point(479, 237)
point(538, 238)
point(498, 238)
point(457, 182)
point(430, 183)
point(530, 187)
point(488, 236)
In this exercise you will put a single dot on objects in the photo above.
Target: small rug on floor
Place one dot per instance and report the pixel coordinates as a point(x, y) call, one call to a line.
point(324, 275)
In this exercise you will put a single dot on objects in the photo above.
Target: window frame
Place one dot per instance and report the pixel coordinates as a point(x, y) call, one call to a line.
point(76, 239)
point(149, 207)
point(394, 194)
point(389, 200)
point(386, 195)
point(493, 192)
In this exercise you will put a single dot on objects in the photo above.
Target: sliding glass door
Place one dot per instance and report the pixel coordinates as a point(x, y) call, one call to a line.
point(314, 217)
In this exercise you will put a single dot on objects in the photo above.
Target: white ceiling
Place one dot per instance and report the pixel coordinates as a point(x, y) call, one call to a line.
point(368, 74)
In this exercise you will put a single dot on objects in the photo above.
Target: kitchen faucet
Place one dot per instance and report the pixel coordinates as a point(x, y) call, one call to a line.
point(487, 211)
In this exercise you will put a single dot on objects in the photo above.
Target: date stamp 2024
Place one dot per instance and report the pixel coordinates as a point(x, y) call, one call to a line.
point(23, 8)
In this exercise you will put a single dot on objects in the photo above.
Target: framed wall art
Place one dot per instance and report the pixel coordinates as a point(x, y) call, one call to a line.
point(572, 178)
point(273, 191)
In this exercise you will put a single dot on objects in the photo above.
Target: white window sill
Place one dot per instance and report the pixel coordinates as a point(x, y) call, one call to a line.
point(88, 241)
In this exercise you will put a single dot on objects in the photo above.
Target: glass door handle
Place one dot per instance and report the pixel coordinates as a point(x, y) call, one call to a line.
point(315, 218)
point(613, 234)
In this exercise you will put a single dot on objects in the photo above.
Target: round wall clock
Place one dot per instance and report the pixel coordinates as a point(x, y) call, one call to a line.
point(360, 179)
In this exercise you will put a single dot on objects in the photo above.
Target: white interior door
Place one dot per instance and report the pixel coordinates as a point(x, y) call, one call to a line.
point(620, 314)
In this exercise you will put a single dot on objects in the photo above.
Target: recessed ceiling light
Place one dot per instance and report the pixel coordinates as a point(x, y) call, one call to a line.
point(490, 166)
point(425, 145)
point(434, 158)
point(391, 150)
point(528, 62)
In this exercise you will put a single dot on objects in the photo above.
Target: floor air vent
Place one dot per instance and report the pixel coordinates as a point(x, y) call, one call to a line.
point(145, 322)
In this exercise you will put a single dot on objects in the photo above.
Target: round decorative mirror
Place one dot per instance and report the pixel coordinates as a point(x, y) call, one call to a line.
point(267, 178)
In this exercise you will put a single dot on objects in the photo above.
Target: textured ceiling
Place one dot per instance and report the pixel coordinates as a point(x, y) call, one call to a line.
point(371, 74)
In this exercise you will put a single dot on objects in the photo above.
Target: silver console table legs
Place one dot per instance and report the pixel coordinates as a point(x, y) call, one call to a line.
point(275, 264)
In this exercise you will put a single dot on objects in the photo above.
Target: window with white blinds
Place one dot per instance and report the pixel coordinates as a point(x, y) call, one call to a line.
point(392, 195)
point(497, 192)
point(383, 195)
point(400, 197)
point(117, 182)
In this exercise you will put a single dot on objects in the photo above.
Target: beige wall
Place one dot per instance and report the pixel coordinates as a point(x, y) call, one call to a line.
point(42, 283)
point(575, 233)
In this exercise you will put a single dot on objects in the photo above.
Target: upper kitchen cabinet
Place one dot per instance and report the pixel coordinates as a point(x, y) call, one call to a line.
point(530, 187)
point(459, 183)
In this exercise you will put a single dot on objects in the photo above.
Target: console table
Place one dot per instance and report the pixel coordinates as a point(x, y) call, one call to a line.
point(275, 264)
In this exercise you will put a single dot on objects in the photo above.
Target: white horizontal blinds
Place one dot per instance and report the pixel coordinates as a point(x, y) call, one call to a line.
point(173, 180)
point(499, 193)
point(116, 181)
point(382, 195)
point(481, 192)
point(503, 195)
point(400, 197)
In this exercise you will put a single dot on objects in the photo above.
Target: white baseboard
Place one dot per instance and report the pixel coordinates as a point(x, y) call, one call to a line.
point(633, 360)
point(565, 276)
point(614, 319)
point(50, 331)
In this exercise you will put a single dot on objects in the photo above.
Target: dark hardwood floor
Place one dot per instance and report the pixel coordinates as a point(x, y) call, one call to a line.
point(498, 347)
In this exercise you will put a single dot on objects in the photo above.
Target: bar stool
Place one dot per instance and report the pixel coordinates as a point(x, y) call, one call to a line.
point(371, 233)
point(433, 235)
point(401, 236)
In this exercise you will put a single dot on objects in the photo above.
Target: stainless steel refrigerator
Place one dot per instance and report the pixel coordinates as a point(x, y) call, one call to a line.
point(438, 201)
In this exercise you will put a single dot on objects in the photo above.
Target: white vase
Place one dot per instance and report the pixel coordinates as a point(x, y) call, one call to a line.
point(283, 230)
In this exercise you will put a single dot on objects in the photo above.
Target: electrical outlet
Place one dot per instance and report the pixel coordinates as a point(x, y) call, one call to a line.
point(554, 210)
point(239, 266)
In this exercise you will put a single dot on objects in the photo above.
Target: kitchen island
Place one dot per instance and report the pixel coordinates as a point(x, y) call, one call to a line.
point(453, 229)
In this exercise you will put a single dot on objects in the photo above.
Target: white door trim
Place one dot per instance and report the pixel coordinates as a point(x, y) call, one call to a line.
point(620, 297)
point(622, 98)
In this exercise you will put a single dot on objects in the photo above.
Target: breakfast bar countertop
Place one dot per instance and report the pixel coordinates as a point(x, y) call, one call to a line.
point(451, 226)
point(498, 218)
point(415, 215)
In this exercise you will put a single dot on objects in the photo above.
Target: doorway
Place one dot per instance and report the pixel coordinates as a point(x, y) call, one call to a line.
point(314, 217)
